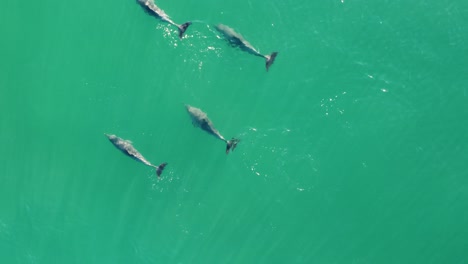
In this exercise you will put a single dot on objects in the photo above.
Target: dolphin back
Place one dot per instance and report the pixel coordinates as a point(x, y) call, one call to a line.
point(200, 119)
point(228, 32)
point(235, 39)
point(127, 148)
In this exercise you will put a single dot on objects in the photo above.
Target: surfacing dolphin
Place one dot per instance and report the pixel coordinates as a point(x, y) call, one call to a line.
point(126, 147)
point(155, 10)
point(236, 40)
point(200, 119)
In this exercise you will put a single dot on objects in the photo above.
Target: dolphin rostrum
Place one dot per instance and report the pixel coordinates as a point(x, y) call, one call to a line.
point(126, 147)
point(158, 12)
point(236, 40)
point(200, 119)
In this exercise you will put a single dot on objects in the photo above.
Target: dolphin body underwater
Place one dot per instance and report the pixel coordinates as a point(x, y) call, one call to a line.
point(200, 119)
point(127, 148)
point(236, 40)
point(155, 10)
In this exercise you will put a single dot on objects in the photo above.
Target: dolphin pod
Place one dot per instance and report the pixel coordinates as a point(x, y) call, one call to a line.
point(235, 39)
point(199, 118)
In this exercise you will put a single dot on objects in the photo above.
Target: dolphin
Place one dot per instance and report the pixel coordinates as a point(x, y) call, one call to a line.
point(158, 12)
point(236, 40)
point(126, 147)
point(200, 119)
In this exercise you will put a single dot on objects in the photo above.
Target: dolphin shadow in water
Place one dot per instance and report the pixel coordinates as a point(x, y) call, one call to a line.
point(152, 9)
point(236, 40)
point(127, 148)
point(200, 119)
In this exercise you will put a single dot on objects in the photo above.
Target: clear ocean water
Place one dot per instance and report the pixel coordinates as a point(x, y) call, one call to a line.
point(354, 145)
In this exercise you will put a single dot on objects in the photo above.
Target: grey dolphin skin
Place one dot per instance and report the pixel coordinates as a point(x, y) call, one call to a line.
point(127, 148)
point(200, 119)
point(155, 10)
point(236, 40)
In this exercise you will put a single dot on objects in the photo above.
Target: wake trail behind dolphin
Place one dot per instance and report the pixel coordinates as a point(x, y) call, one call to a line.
point(200, 21)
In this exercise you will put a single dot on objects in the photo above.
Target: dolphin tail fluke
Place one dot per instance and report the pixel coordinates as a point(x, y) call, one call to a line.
point(231, 144)
point(160, 168)
point(183, 27)
point(270, 59)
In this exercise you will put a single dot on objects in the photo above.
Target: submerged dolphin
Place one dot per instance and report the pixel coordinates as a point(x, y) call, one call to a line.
point(126, 147)
point(200, 119)
point(154, 9)
point(236, 40)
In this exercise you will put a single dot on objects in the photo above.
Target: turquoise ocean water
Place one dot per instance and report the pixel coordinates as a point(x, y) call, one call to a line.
point(353, 146)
